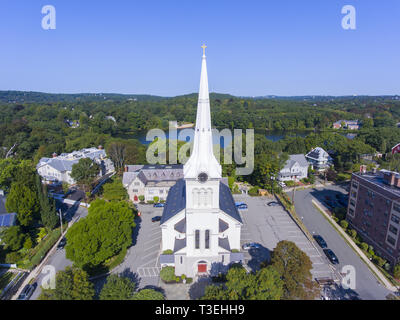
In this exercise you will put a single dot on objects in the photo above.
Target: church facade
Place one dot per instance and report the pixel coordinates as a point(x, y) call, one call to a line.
point(200, 223)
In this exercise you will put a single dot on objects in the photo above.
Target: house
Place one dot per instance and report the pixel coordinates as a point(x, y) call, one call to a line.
point(347, 124)
point(319, 159)
point(150, 180)
point(58, 168)
point(295, 169)
point(200, 223)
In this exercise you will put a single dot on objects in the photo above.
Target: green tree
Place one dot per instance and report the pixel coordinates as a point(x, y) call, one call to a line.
point(24, 201)
point(48, 213)
point(114, 191)
point(294, 267)
point(148, 294)
point(13, 238)
point(396, 271)
point(117, 288)
point(265, 284)
point(84, 172)
point(105, 231)
point(71, 284)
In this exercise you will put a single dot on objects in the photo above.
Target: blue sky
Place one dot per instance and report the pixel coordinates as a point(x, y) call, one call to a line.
point(266, 47)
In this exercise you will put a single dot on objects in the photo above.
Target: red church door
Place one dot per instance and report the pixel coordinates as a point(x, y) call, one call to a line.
point(202, 267)
point(135, 198)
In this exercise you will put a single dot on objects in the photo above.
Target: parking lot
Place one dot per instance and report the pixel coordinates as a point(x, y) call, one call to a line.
point(142, 257)
point(267, 225)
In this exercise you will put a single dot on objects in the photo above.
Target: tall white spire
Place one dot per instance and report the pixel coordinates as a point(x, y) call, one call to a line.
point(202, 159)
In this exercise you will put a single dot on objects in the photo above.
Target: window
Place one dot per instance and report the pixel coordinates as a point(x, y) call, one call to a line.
point(396, 207)
point(392, 229)
point(135, 190)
point(197, 239)
point(137, 183)
point(207, 239)
point(223, 258)
point(395, 219)
point(181, 260)
point(391, 240)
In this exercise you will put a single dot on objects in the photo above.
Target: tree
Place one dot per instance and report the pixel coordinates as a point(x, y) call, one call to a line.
point(114, 191)
point(24, 201)
point(85, 171)
point(105, 231)
point(48, 212)
point(13, 238)
point(71, 284)
point(294, 267)
point(117, 288)
point(265, 284)
point(148, 294)
point(396, 271)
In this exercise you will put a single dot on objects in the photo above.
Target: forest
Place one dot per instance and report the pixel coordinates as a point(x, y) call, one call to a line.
point(35, 125)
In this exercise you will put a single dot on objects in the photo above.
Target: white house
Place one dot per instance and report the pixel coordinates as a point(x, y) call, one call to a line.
point(58, 168)
point(150, 180)
point(295, 169)
point(200, 223)
point(319, 159)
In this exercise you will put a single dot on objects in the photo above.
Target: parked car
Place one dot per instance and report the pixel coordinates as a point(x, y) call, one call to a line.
point(62, 243)
point(252, 245)
point(273, 203)
point(320, 241)
point(282, 184)
point(27, 291)
point(156, 218)
point(158, 205)
point(331, 256)
point(242, 206)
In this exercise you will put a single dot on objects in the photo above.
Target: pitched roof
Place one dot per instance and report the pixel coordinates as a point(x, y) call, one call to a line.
point(296, 158)
point(224, 243)
point(226, 202)
point(8, 219)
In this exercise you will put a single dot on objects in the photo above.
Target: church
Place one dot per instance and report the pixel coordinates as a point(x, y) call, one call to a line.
point(200, 223)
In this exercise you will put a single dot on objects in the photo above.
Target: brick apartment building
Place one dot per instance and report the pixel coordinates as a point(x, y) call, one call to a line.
point(374, 211)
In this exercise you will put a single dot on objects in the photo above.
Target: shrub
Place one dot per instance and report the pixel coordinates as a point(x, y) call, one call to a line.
point(353, 233)
point(13, 257)
point(148, 294)
point(364, 246)
point(156, 199)
point(141, 198)
point(253, 191)
point(379, 261)
point(167, 274)
point(150, 201)
point(28, 243)
point(344, 224)
point(168, 252)
point(189, 280)
point(396, 271)
point(289, 183)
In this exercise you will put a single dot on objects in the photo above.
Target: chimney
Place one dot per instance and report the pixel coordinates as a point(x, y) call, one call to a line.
point(390, 177)
point(54, 155)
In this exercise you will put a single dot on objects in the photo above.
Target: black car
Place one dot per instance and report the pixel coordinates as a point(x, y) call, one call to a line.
point(156, 218)
point(320, 241)
point(27, 291)
point(331, 256)
point(62, 243)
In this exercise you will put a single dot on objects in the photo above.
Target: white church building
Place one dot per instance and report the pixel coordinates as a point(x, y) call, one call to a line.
point(200, 223)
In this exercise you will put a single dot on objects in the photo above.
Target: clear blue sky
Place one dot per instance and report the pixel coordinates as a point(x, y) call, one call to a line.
point(277, 47)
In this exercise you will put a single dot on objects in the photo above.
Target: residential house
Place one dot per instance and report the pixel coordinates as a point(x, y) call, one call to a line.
point(58, 168)
point(319, 159)
point(295, 169)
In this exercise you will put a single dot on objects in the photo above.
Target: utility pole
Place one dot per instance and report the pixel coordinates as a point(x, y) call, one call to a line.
point(59, 213)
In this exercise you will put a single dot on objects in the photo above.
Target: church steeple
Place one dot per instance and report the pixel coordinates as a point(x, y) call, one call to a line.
point(202, 159)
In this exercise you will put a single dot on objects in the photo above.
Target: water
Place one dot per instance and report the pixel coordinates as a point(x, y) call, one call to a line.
point(279, 135)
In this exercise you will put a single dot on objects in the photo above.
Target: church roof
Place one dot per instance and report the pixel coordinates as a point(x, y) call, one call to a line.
point(179, 244)
point(176, 201)
point(224, 243)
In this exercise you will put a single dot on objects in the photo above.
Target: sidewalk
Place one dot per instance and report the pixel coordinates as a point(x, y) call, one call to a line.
point(351, 243)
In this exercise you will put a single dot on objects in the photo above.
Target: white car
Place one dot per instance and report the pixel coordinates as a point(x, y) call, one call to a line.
point(282, 184)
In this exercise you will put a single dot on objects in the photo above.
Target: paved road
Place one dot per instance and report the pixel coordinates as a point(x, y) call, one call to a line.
point(267, 225)
point(367, 286)
point(142, 258)
point(58, 259)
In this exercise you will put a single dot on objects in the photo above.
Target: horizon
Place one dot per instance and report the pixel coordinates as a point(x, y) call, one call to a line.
point(279, 48)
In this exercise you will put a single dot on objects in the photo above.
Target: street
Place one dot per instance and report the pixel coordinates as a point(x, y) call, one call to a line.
point(367, 285)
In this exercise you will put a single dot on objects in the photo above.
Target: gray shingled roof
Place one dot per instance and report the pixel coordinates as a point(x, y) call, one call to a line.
point(223, 225)
point(293, 158)
point(176, 201)
point(179, 244)
point(224, 243)
point(181, 226)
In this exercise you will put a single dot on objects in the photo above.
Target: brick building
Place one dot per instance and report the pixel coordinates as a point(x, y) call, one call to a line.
point(374, 211)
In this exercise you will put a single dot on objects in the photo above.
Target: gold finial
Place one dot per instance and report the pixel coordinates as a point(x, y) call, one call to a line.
point(204, 49)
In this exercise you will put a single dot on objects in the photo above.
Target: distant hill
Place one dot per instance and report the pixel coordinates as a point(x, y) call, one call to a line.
point(41, 97)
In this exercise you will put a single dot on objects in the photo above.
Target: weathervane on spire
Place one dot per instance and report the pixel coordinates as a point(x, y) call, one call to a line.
point(204, 49)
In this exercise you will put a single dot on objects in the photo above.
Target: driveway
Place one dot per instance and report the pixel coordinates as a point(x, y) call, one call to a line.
point(142, 256)
point(267, 226)
point(367, 286)
point(58, 259)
